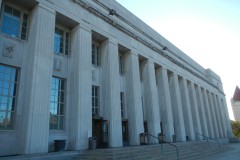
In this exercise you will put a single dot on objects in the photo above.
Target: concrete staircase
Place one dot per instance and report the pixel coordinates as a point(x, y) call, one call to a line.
point(187, 151)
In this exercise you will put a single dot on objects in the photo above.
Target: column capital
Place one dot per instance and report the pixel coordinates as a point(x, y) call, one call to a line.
point(113, 40)
point(84, 27)
point(150, 61)
point(184, 79)
point(40, 5)
point(164, 68)
point(175, 73)
point(133, 53)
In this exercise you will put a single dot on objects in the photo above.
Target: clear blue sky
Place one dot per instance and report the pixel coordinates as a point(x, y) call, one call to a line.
point(206, 30)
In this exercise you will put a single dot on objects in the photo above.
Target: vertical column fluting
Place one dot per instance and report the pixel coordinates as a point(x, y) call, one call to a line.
point(133, 98)
point(229, 127)
point(194, 109)
point(151, 99)
point(187, 113)
point(38, 66)
point(222, 118)
point(201, 111)
point(80, 87)
point(208, 113)
point(215, 104)
point(213, 116)
point(111, 90)
point(165, 103)
point(176, 102)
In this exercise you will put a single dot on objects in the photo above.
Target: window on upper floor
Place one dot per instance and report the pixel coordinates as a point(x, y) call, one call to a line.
point(8, 89)
point(13, 22)
point(95, 54)
point(95, 100)
point(57, 104)
point(121, 64)
point(122, 103)
point(61, 42)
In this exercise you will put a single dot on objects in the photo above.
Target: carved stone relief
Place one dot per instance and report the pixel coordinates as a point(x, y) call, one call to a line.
point(8, 50)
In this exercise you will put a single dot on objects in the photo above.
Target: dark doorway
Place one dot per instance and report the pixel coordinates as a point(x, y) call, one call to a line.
point(100, 131)
point(125, 133)
point(145, 127)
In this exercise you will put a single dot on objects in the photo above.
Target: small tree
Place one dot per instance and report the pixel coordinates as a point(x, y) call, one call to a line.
point(236, 128)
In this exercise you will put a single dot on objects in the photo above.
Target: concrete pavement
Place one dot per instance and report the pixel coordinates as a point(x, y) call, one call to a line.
point(233, 154)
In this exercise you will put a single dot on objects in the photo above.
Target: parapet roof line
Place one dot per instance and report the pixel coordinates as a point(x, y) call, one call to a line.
point(144, 42)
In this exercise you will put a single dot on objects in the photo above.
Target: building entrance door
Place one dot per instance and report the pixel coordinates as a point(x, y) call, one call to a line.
point(125, 133)
point(100, 131)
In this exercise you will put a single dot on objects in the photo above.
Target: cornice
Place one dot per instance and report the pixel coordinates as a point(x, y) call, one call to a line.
point(155, 48)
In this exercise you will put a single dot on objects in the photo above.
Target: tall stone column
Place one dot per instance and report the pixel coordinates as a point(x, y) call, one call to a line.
point(187, 113)
point(111, 90)
point(165, 103)
point(229, 127)
point(208, 113)
point(214, 120)
point(222, 117)
point(177, 107)
point(194, 108)
point(151, 100)
point(80, 87)
point(38, 65)
point(220, 131)
point(201, 111)
point(133, 98)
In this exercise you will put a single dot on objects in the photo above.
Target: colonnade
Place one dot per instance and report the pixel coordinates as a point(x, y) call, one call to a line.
point(157, 95)
point(184, 107)
point(154, 94)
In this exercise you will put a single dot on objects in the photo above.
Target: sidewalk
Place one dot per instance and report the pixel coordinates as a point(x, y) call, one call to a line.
point(233, 154)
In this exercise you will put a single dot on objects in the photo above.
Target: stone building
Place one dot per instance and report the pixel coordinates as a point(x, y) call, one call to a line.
point(235, 102)
point(73, 69)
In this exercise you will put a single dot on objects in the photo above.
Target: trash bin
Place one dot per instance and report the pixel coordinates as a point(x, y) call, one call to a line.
point(59, 145)
point(174, 138)
point(92, 143)
point(160, 138)
point(143, 139)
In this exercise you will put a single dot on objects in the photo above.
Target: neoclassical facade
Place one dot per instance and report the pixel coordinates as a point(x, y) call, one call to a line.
point(74, 69)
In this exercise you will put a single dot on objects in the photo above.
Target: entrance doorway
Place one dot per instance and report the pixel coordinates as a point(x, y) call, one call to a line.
point(100, 131)
point(125, 133)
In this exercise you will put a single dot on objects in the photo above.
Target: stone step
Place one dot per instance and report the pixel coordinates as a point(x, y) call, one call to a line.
point(189, 150)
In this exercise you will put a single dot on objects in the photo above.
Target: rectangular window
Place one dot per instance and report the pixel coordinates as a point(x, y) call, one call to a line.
point(121, 64)
point(95, 100)
point(122, 103)
point(95, 55)
point(8, 89)
point(13, 22)
point(61, 42)
point(57, 104)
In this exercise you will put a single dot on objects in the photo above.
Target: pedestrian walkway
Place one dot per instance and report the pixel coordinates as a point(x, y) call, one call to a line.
point(233, 154)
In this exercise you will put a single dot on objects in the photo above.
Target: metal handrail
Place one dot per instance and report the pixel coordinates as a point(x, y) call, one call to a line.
point(166, 143)
point(209, 138)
